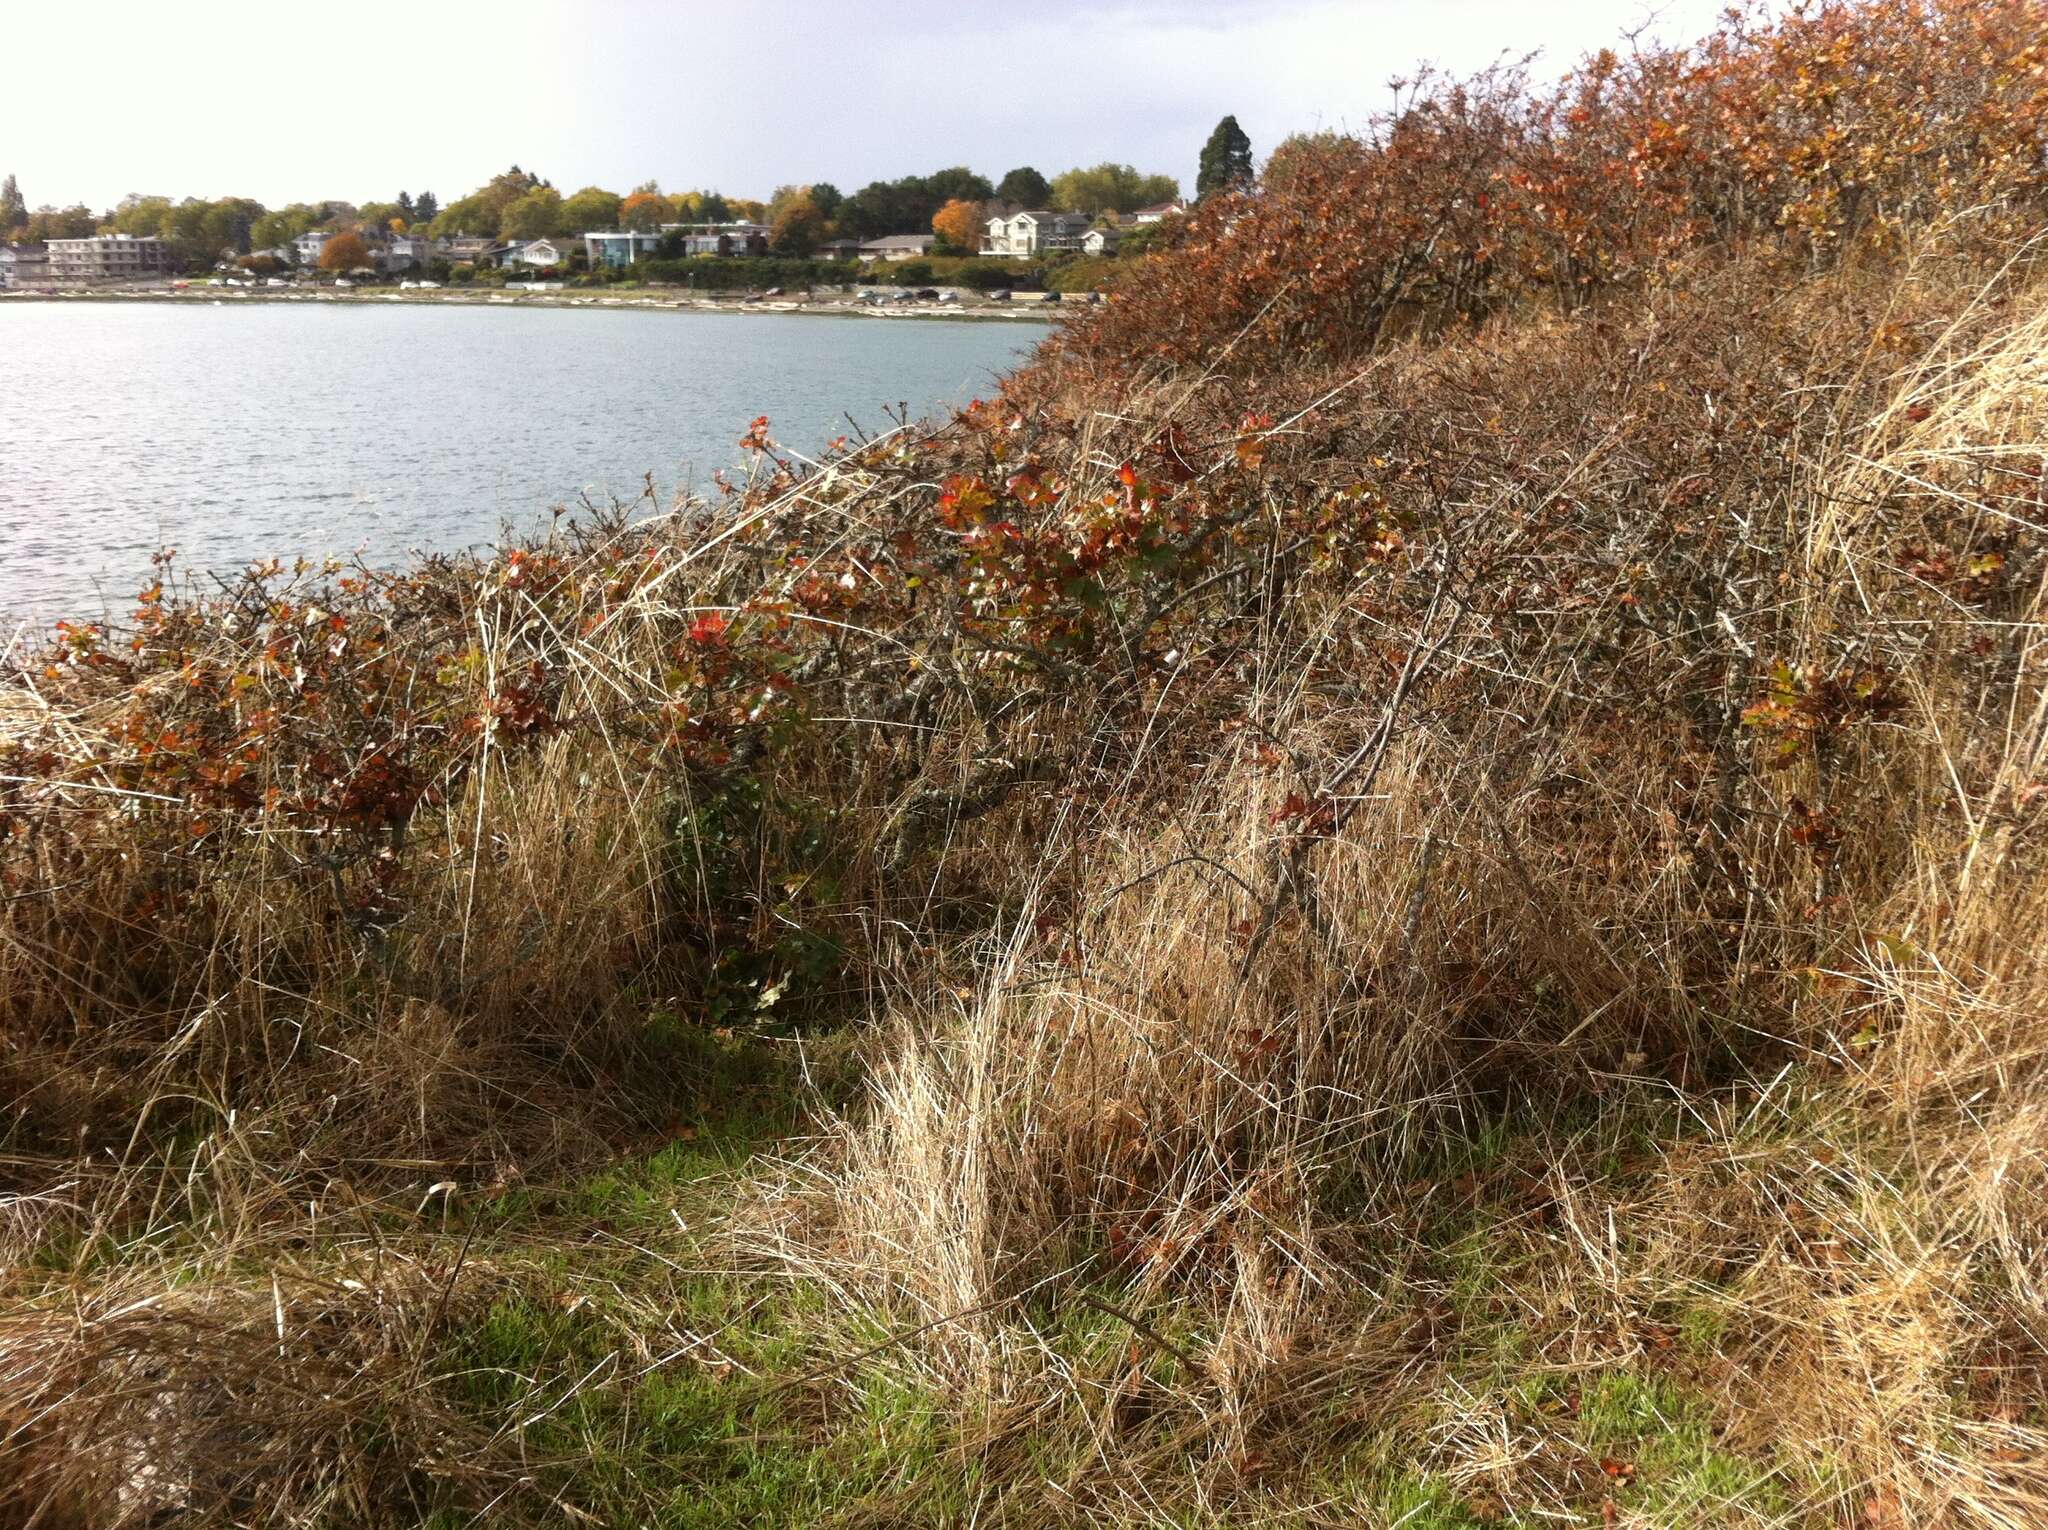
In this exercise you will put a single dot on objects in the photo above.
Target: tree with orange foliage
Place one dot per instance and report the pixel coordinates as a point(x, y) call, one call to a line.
point(958, 225)
point(344, 252)
point(646, 210)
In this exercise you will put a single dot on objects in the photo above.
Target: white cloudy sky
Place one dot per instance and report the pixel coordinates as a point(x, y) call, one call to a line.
point(285, 104)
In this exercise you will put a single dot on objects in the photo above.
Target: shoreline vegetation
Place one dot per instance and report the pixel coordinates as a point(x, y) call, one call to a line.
point(1394, 890)
point(1029, 311)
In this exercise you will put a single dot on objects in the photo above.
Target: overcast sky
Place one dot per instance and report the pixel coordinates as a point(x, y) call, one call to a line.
point(284, 104)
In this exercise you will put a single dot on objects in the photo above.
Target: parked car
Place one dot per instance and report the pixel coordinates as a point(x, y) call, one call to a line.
point(1000, 295)
point(926, 294)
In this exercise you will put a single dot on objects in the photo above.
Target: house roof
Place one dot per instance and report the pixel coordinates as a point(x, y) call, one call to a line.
point(1158, 207)
point(901, 242)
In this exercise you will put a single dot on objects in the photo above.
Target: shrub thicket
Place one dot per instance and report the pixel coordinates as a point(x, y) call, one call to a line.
point(1532, 617)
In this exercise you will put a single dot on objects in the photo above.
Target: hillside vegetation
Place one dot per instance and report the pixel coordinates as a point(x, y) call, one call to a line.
point(1403, 887)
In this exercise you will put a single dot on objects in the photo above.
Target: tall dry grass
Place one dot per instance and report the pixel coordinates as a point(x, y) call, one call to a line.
point(1615, 735)
point(1824, 981)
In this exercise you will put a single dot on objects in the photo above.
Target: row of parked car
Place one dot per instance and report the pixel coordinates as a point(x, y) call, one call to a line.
point(909, 295)
point(939, 295)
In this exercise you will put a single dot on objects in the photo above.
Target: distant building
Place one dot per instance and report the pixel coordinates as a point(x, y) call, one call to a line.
point(1101, 241)
point(464, 247)
point(23, 265)
point(839, 249)
point(404, 252)
point(537, 253)
point(899, 246)
point(619, 247)
point(107, 258)
point(1033, 232)
point(307, 246)
point(1158, 212)
point(721, 238)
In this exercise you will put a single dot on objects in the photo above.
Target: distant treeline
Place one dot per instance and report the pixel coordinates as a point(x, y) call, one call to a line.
point(520, 204)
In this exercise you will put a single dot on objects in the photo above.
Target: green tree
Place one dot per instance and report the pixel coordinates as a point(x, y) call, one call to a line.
point(1226, 163)
point(484, 209)
point(140, 216)
point(701, 207)
point(13, 208)
point(957, 183)
point(591, 208)
point(1110, 187)
point(425, 209)
point(1024, 187)
point(827, 197)
point(906, 206)
point(46, 223)
point(286, 224)
point(536, 215)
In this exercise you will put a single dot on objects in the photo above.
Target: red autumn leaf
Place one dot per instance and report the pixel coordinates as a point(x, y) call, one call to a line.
point(1294, 807)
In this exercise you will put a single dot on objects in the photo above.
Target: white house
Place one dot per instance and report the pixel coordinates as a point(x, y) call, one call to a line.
point(721, 238)
point(1034, 232)
point(1100, 241)
point(536, 253)
point(1158, 212)
point(309, 245)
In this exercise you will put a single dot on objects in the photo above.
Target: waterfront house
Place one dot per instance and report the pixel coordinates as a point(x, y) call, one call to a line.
point(1101, 241)
point(721, 238)
point(839, 249)
point(23, 266)
point(107, 258)
point(464, 247)
point(1034, 231)
point(619, 247)
point(536, 253)
point(899, 247)
point(404, 252)
point(1158, 212)
point(307, 247)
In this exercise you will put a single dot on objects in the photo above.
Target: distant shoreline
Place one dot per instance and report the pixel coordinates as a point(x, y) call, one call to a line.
point(1032, 313)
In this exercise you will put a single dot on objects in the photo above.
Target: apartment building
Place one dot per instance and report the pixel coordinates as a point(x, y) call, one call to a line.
point(107, 258)
point(23, 265)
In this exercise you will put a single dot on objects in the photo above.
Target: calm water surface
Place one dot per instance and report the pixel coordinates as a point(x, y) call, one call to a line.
point(276, 429)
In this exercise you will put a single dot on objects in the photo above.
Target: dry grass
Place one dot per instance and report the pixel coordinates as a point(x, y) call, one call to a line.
point(1237, 1150)
point(1392, 1045)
